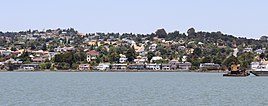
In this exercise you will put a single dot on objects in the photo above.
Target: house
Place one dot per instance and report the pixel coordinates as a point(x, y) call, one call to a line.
point(209, 66)
point(84, 67)
point(173, 64)
point(181, 48)
point(29, 67)
point(247, 50)
point(184, 65)
point(92, 55)
point(13, 61)
point(119, 66)
point(155, 58)
point(51, 55)
point(103, 66)
point(64, 49)
point(140, 49)
point(140, 60)
point(166, 66)
point(38, 60)
point(190, 51)
point(122, 58)
point(260, 51)
point(153, 66)
point(152, 47)
point(136, 66)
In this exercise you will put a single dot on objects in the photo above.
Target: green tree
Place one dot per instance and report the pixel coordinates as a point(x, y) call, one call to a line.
point(229, 61)
point(131, 54)
point(207, 59)
point(197, 52)
point(191, 31)
point(161, 33)
point(150, 55)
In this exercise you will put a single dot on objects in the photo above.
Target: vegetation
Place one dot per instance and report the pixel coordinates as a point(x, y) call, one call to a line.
point(199, 47)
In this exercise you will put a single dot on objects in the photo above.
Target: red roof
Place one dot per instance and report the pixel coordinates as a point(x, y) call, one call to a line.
point(93, 53)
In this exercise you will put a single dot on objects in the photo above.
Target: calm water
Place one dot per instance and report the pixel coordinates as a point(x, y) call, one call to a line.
point(133, 89)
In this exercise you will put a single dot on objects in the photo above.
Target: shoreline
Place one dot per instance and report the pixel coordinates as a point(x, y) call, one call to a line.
point(209, 71)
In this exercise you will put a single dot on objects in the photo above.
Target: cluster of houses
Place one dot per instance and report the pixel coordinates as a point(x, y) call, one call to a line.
point(172, 65)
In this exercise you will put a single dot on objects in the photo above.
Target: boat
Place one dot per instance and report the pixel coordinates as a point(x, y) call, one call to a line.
point(236, 72)
point(259, 69)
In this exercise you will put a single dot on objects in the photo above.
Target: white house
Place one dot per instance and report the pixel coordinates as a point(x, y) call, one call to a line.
point(247, 50)
point(122, 58)
point(153, 66)
point(92, 55)
point(152, 47)
point(103, 66)
point(155, 58)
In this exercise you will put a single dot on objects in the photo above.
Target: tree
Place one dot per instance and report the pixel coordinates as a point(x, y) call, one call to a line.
point(246, 58)
point(207, 59)
point(150, 55)
point(33, 47)
point(229, 61)
point(161, 33)
point(264, 38)
point(262, 55)
point(197, 52)
point(13, 49)
point(44, 47)
point(131, 54)
point(191, 31)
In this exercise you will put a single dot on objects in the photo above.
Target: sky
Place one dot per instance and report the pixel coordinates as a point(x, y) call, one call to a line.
point(241, 18)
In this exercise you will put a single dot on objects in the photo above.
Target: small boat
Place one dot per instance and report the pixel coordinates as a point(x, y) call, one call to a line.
point(240, 74)
point(236, 72)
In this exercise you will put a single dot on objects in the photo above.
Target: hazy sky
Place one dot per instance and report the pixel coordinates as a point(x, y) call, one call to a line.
point(247, 18)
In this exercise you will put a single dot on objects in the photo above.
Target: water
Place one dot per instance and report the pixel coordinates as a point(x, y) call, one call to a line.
point(133, 89)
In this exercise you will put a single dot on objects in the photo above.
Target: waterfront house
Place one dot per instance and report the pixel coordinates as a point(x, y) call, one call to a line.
point(173, 64)
point(29, 67)
point(92, 55)
point(209, 66)
point(166, 66)
point(184, 65)
point(103, 66)
point(153, 66)
point(136, 66)
point(119, 66)
point(84, 67)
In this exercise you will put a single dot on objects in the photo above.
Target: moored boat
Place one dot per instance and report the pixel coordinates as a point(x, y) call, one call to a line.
point(259, 69)
point(260, 73)
point(236, 72)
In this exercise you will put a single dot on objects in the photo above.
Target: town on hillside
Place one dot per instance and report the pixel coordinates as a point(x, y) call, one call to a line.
point(67, 49)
